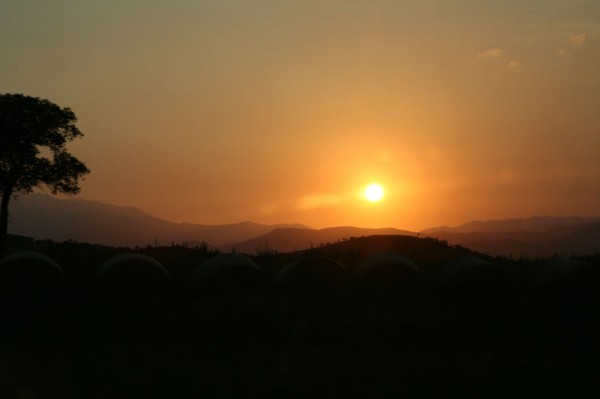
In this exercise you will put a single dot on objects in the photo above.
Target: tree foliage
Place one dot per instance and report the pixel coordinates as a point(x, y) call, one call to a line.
point(34, 133)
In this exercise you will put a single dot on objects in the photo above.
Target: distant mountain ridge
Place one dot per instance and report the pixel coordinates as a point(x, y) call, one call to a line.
point(293, 239)
point(531, 224)
point(45, 217)
point(535, 236)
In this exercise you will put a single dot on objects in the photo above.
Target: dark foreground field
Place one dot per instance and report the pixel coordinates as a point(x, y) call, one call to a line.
point(423, 319)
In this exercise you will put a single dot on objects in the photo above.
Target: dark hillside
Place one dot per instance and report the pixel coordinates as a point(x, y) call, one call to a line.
point(295, 239)
point(82, 259)
point(429, 253)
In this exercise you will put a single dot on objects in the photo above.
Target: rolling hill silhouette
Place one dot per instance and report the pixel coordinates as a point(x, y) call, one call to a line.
point(535, 236)
point(45, 217)
point(531, 224)
point(293, 239)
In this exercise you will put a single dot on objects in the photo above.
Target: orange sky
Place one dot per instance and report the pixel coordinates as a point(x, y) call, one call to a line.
point(282, 111)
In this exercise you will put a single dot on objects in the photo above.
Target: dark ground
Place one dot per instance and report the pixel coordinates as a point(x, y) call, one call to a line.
point(510, 333)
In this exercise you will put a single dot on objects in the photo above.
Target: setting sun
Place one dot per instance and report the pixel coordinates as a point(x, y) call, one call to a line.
point(374, 192)
point(357, 121)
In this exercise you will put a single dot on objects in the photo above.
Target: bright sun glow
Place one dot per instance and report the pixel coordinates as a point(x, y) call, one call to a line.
point(374, 192)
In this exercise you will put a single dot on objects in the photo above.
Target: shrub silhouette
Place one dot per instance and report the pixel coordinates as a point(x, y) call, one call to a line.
point(388, 296)
point(32, 297)
point(131, 296)
point(34, 330)
point(312, 285)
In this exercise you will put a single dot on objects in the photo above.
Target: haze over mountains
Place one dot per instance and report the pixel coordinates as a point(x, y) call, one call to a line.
point(535, 236)
point(45, 217)
point(293, 239)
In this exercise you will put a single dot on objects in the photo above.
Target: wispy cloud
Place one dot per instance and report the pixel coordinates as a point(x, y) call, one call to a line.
point(578, 39)
point(314, 201)
point(514, 64)
point(490, 53)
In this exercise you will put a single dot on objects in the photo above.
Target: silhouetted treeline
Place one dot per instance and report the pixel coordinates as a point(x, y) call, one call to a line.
point(380, 316)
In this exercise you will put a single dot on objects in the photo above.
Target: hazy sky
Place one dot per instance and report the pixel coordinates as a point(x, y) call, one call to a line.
point(283, 111)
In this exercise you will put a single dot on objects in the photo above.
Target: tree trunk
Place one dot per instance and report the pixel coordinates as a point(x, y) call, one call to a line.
point(6, 194)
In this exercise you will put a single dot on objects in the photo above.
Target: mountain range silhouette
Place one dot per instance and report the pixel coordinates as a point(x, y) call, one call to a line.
point(45, 217)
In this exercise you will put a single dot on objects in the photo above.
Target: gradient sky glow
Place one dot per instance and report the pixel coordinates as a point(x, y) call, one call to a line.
point(284, 111)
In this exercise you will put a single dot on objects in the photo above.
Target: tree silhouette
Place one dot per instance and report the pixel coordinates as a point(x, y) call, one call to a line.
point(33, 137)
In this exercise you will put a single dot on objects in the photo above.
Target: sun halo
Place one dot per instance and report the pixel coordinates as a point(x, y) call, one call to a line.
point(374, 192)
